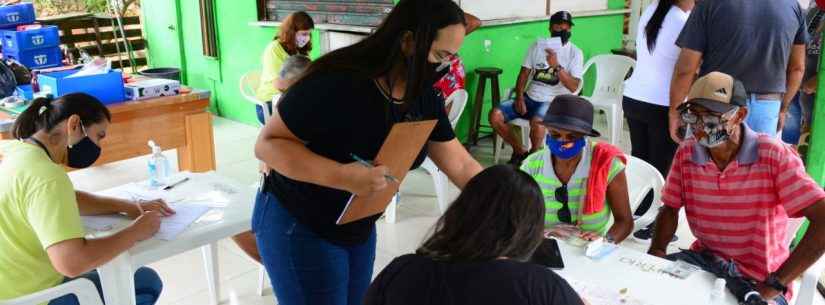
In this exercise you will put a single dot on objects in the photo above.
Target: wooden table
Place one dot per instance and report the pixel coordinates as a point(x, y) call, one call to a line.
point(181, 122)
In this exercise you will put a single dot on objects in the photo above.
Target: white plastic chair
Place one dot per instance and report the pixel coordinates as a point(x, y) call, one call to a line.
point(641, 179)
point(804, 289)
point(611, 71)
point(523, 130)
point(458, 100)
point(248, 85)
point(84, 289)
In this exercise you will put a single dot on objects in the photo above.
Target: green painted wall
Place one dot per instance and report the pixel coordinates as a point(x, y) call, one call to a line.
point(240, 46)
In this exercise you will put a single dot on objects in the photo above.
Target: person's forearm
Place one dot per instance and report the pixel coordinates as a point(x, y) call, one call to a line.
point(809, 250)
point(679, 87)
point(793, 83)
point(468, 169)
point(89, 254)
point(521, 83)
point(294, 160)
point(620, 230)
point(569, 82)
point(666, 224)
point(91, 204)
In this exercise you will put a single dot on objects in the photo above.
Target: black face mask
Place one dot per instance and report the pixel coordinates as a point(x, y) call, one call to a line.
point(84, 153)
point(564, 35)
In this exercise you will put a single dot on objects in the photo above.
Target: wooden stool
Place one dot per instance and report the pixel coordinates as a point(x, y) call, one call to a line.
point(483, 75)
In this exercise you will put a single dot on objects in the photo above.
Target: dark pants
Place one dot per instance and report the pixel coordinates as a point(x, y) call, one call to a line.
point(304, 268)
point(649, 133)
point(147, 287)
point(727, 270)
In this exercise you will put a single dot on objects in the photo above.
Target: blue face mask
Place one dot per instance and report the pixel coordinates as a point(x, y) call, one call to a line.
point(565, 150)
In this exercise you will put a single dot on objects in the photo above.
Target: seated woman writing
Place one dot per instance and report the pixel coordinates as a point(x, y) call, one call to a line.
point(478, 255)
point(583, 181)
point(42, 239)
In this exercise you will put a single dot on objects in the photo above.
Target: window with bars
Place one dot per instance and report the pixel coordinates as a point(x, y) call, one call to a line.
point(495, 9)
point(342, 12)
point(209, 36)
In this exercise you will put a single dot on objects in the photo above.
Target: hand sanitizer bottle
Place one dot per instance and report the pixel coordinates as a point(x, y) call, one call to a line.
point(158, 167)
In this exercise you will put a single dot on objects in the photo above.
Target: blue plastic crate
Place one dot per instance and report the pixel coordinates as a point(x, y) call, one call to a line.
point(37, 58)
point(18, 14)
point(48, 36)
point(108, 88)
point(25, 91)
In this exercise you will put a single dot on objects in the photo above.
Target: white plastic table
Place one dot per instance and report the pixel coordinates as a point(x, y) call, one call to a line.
point(117, 276)
point(640, 274)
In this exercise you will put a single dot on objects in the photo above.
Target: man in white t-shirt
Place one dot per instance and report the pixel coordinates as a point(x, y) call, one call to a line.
point(553, 66)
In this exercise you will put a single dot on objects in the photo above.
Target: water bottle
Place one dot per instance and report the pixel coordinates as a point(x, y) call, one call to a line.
point(158, 167)
point(717, 295)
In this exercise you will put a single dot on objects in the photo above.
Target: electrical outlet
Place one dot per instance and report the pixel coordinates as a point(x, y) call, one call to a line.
point(488, 44)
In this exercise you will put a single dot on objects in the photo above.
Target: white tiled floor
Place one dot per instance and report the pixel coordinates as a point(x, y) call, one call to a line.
point(184, 275)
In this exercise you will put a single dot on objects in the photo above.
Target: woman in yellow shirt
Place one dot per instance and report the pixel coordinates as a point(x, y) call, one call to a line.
point(40, 228)
point(293, 38)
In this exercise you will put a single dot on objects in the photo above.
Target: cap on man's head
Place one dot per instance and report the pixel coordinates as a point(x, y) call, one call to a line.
point(562, 16)
point(573, 113)
point(717, 92)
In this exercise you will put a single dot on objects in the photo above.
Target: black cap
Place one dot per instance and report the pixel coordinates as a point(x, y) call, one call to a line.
point(573, 113)
point(562, 16)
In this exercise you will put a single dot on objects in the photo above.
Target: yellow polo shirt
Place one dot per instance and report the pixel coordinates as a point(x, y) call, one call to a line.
point(38, 208)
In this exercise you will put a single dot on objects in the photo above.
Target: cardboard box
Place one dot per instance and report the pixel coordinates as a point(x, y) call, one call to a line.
point(150, 88)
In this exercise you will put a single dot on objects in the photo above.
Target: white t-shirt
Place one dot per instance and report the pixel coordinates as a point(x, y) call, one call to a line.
point(545, 84)
point(650, 81)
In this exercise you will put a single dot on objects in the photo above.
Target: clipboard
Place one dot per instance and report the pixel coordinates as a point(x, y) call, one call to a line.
point(398, 152)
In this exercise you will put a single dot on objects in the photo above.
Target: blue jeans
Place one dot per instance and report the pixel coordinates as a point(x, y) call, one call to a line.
point(736, 284)
point(763, 115)
point(147, 287)
point(259, 111)
point(793, 123)
point(304, 268)
point(535, 109)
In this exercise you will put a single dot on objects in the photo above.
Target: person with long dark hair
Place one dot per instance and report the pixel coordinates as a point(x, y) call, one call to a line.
point(479, 255)
point(294, 38)
point(647, 92)
point(41, 234)
point(344, 105)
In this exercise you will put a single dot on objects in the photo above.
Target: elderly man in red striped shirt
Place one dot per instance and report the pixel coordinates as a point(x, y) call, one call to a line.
point(739, 189)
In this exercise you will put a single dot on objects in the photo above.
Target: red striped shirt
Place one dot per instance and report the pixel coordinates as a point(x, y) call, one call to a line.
point(742, 213)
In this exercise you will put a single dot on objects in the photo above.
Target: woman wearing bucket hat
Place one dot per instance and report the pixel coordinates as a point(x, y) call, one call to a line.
point(569, 164)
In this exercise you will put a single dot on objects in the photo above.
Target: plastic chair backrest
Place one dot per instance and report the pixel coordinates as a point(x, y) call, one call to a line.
point(82, 288)
point(458, 100)
point(248, 85)
point(639, 172)
point(611, 72)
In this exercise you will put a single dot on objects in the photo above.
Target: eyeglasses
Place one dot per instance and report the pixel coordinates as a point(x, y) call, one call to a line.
point(711, 119)
point(564, 213)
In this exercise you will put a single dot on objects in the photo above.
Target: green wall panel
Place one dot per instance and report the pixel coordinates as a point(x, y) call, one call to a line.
point(241, 44)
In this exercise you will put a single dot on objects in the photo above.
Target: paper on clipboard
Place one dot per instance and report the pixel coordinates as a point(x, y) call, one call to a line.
point(398, 152)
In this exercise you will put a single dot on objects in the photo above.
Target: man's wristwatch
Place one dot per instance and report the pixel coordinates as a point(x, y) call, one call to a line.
point(773, 281)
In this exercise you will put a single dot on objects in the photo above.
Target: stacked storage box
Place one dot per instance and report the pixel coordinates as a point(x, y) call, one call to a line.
point(35, 48)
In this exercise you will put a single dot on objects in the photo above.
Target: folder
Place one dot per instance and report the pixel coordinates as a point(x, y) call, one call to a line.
point(398, 153)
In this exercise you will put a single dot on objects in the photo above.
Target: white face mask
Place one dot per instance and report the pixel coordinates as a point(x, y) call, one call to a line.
point(301, 40)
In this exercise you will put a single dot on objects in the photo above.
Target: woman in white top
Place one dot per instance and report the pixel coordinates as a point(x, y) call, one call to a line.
point(647, 92)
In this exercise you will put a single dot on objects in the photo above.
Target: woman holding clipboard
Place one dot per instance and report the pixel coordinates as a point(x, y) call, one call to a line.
point(345, 105)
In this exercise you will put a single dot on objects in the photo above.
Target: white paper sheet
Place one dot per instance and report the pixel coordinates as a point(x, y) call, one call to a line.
point(604, 296)
point(185, 215)
point(170, 227)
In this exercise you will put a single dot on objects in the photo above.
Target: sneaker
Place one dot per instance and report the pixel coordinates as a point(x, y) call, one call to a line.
point(645, 236)
point(516, 159)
